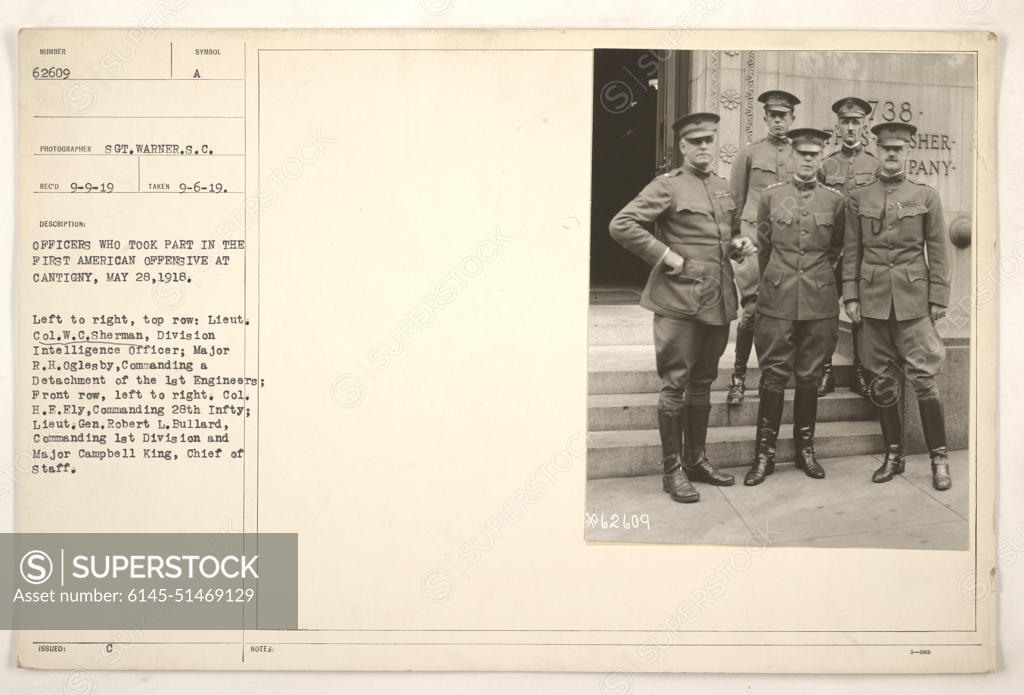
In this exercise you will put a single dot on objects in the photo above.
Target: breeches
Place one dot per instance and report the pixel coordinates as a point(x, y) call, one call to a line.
point(687, 354)
point(892, 348)
point(797, 348)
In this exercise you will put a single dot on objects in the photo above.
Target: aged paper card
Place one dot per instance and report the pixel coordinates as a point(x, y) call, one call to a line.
point(357, 286)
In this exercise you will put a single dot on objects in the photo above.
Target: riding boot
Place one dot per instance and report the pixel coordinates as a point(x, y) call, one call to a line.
point(934, 425)
point(695, 460)
point(737, 386)
point(895, 460)
point(826, 382)
point(673, 479)
point(805, 413)
point(860, 375)
point(769, 415)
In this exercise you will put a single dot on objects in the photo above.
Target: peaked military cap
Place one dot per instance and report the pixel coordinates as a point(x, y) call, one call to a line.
point(696, 125)
point(808, 139)
point(851, 106)
point(891, 134)
point(778, 100)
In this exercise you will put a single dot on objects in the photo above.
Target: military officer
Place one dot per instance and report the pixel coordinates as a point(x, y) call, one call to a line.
point(896, 285)
point(691, 292)
point(757, 165)
point(850, 166)
point(800, 224)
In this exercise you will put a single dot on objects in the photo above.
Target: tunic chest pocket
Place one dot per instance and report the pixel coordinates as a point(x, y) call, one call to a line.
point(694, 207)
point(726, 204)
point(764, 163)
point(763, 171)
point(870, 219)
point(836, 180)
point(863, 178)
point(824, 219)
point(782, 217)
point(726, 210)
point(908, 210)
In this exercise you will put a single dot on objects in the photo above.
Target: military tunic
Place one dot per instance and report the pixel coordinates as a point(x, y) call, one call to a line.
point(758, 165)
point(801, 233)
point(691, 212)
point(845, 170)
point(896, 264)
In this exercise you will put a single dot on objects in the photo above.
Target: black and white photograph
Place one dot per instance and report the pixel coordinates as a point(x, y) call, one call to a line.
point(780, 304)
point(447, 343)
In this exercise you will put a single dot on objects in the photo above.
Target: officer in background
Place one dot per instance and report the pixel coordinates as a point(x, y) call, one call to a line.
point(850, 166)
point(691, 292)
point(800, 224)
point(896, 284)
point(757, 165)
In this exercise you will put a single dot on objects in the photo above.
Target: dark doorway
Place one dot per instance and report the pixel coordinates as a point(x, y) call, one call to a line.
point(624, 159)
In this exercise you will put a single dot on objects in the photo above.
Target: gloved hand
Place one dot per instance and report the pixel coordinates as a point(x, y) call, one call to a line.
point(741, 247)
point(853, 310)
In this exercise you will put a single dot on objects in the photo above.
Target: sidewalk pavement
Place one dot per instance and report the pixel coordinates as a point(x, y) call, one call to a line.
point(845, 509)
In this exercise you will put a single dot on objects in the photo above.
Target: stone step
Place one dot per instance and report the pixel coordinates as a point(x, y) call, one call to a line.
point(631, 369)
point(625, 325)
point(620, 325)
point(638, 411)
point(621, 453)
